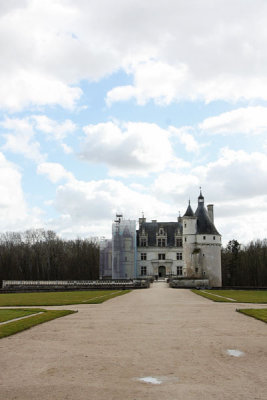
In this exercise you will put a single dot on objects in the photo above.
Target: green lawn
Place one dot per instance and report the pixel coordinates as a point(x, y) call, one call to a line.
point(17, 326)
point(234, 296)
point(58, 298)
point(6, 315)
point(260, 314)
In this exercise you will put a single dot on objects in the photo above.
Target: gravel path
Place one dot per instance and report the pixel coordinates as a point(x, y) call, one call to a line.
point(157, 343)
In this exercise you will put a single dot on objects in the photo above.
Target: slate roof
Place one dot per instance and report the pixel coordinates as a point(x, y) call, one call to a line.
point(189, 212)
point(151, 228)
point(204, 224)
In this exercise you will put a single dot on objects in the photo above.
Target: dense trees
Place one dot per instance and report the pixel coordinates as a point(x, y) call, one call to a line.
point(41, 255)
point(245, 265)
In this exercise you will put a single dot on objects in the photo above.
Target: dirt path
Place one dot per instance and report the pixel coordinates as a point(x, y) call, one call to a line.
point(173, 336)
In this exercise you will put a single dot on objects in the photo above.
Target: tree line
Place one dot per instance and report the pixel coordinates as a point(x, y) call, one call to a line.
point(41, 255)
point(245, 265)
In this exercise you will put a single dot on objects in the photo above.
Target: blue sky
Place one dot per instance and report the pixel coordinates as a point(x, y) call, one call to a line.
point(130, 107)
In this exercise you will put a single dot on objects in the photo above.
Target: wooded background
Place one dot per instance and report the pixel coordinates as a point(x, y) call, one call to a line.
point(245, 265)
point(42, 255)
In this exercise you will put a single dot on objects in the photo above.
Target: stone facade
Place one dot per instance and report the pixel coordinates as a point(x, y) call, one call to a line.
point(187, 249)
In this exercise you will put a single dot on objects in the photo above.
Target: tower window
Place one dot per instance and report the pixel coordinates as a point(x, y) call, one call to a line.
point(143, 256)
point(179, 256)
point(213, 237)
point(185, 239)
point(143, 270)
point(179, 242)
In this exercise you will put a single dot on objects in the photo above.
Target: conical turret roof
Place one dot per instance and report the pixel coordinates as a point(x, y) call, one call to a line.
point(204, 223)
point(189, 212)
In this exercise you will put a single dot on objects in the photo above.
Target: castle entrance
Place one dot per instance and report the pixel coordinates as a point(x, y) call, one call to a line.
point(162, 271)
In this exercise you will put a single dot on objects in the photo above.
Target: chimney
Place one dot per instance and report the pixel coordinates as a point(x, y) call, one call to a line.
point(210, 212)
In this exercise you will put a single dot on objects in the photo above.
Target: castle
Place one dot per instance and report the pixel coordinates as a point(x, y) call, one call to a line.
point(188, 250)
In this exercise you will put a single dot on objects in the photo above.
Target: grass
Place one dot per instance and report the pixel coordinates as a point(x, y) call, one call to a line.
point(234, 296)
point(58, 298)
point(260, 314)
point(20, 325)
point(6, 315)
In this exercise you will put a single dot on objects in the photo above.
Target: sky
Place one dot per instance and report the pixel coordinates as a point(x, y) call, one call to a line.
point(130, 107)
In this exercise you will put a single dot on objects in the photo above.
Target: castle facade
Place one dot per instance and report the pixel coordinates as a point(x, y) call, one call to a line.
point(188, 250)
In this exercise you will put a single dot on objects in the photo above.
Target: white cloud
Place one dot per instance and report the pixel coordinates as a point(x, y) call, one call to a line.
point(235, 183)
point(134, 147)
point(14, 213)
point(181, 51)
point(66, 148)
point(152, 80)
point(174, 187)
point(244, 221)
point(246, 120)
point(186, 138)
point(90, 207)
point(32, 88)
point(56, 130)
point(21, 140)
point(235, 175)
point(54, 171)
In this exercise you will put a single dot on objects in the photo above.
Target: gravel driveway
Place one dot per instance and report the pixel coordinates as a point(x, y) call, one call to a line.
point(157, 343)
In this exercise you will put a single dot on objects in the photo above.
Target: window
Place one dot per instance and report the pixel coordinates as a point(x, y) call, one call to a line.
point(143, 270)
point(179, 256)
point(179, 242)
point(161, 256)
point(185, 239)
point(185, 225)
point(196, 270)
point(143, 242)
point(143, 256)
point(213, 237)
point(179, 270)
point(161, 242)
point(204, 237)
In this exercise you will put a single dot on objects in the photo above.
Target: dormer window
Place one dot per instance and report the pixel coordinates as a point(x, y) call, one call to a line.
point(161, 242)
point(161, 238)
point(143, 242)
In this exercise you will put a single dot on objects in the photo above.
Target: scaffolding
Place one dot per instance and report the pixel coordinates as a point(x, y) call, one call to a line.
point(124, 248)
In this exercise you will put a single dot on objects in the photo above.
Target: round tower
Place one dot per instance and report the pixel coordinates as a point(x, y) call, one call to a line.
point(189, 238)
point(207, 251)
